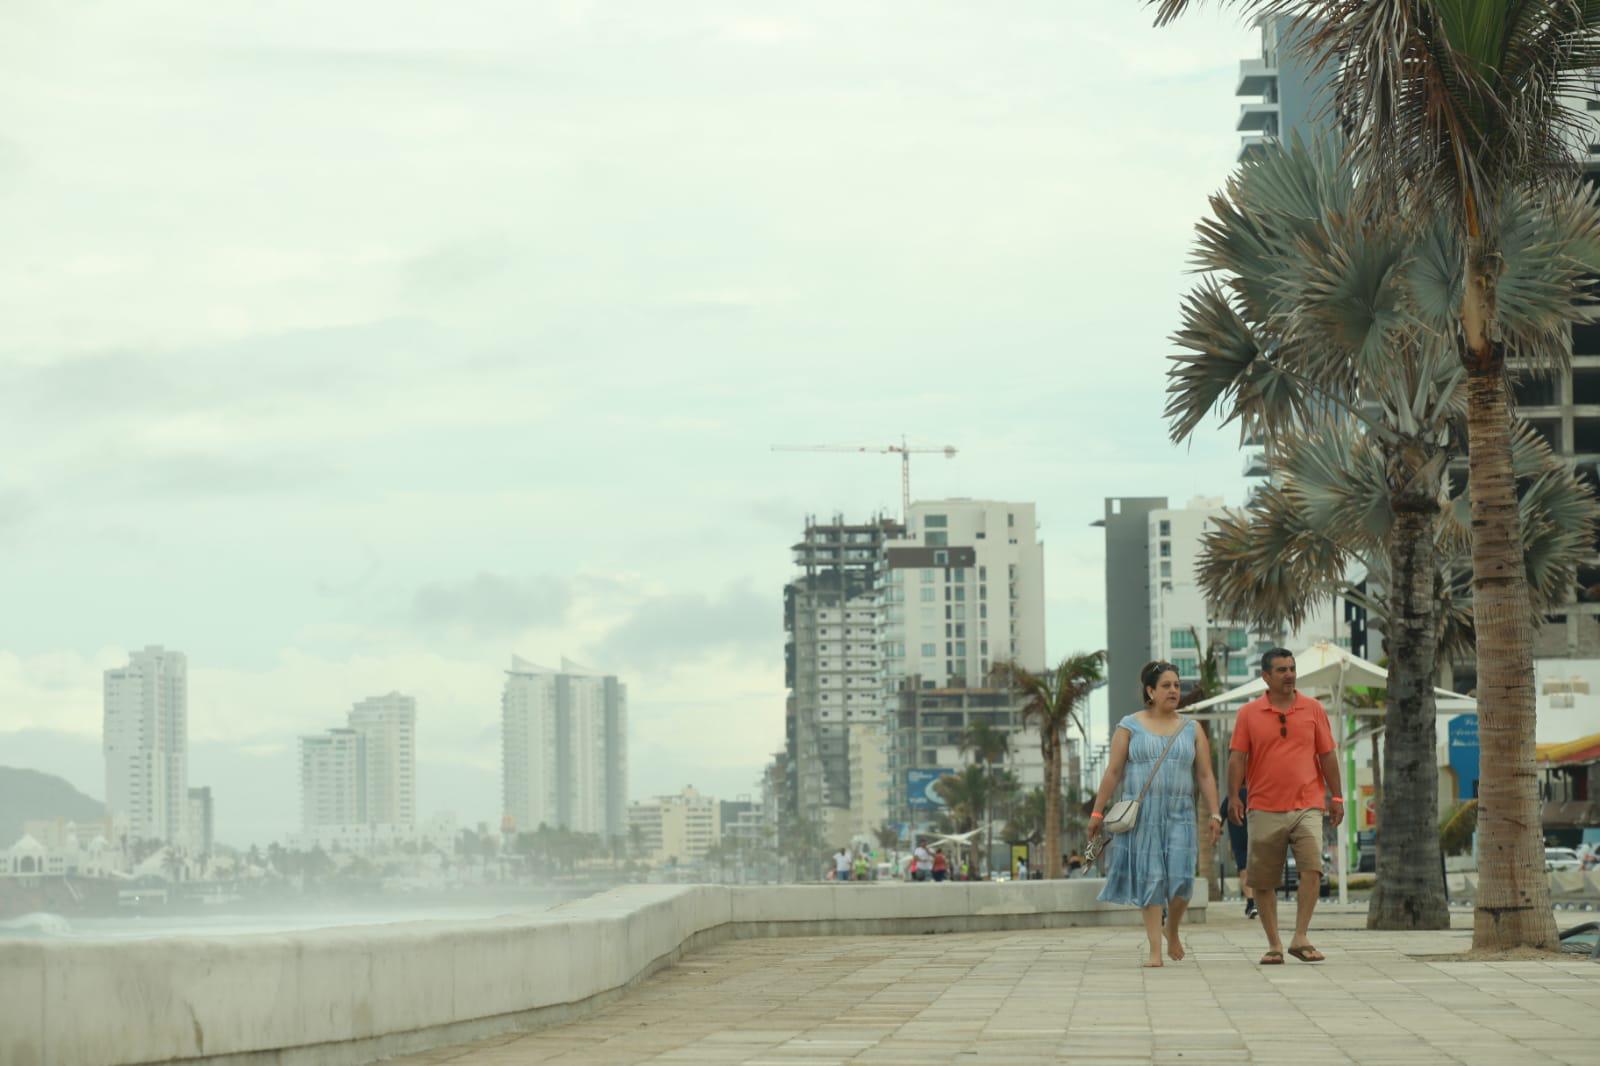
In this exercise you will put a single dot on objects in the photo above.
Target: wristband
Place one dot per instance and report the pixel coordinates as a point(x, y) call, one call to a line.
point(1096, 815)
point(1339, 800)
point(1216, 818)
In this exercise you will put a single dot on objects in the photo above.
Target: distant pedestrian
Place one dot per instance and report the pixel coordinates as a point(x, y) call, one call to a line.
point(924, 860)
point(1156, 755)
point(841, 865)
point(1239, 842)
point(941, 865)
point(860, 870)
point(1074, 864)
point(1283, 746)
point(1022, 869)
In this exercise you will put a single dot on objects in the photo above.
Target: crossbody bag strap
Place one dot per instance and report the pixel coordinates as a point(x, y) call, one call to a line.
point(1170, 741)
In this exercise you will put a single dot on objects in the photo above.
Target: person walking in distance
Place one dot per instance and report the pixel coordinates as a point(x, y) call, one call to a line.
point(841, 865)
point(1157, 757)
point(1283, 747)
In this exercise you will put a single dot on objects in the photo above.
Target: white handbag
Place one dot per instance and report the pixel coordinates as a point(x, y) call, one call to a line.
point(1124, 814)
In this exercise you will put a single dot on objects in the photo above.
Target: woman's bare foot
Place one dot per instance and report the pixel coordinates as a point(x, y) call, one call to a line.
point(1174, 947)
point(1154, 961)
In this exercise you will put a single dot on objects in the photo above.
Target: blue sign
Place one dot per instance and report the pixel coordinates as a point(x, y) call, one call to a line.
point(920, 795)
point(1463, 741)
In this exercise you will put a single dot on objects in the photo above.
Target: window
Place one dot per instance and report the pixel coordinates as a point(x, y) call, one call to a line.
point(1166, 569)
point(927, 577)
point(961, 629)
point(961, 649)
point(961, 613)
point(1238, 640)
point(935, 521)
point(1166, 549)
point(938, 539)
point(1187, 667)
point(927, 594)
point(1165, 528)
point(1011, 519)
point(929, 651)
point(983, 573)
point(941, 558)
point(1183, 638)
point(1238, 667)
point(961, 593)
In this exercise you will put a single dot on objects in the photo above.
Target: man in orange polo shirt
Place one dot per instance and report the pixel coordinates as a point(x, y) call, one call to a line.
point(1283, 746)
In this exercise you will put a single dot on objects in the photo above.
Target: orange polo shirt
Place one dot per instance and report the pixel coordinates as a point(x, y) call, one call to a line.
point(1283, 774)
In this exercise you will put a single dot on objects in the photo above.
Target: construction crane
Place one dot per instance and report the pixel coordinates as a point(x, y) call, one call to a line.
point(902, 449)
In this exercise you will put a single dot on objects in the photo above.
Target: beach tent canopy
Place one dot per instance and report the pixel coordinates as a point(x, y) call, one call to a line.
point(1320, 668)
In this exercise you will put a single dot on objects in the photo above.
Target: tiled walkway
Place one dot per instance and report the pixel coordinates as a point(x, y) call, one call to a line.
point(1078, 995)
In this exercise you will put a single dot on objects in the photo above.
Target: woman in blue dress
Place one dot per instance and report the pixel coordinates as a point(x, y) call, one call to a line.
point(1153, 866)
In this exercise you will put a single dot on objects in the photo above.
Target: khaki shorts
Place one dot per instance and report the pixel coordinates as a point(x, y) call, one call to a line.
point(1272, 834)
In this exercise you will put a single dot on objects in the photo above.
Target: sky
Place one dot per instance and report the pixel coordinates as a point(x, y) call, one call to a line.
point(357, 347)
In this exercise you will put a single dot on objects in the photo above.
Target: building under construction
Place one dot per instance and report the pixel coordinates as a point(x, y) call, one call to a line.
point(831, 663)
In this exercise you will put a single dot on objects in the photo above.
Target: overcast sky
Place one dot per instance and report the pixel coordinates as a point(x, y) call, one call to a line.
point(354, 347)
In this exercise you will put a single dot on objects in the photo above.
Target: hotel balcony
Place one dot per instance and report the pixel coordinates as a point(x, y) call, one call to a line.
point(1257, 77)
point(1253, 144)
point(1258, 118)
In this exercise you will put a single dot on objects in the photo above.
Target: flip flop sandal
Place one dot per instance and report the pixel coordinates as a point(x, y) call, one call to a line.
point(1272, 958)
point(1307, 954)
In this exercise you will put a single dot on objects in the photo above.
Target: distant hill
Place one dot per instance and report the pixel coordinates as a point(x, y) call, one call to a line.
point(29, 796)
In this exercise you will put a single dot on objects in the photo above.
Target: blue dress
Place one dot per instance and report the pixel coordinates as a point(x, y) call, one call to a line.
point(1155, 862)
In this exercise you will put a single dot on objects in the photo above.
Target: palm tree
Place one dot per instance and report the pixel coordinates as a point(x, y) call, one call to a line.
point(1321, 323)
point(988, 745)
point(1210, 683)
point(1053, 700)
point(1471, 106)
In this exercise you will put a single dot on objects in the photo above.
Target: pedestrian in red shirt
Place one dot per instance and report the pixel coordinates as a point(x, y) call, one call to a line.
point(1283, 746)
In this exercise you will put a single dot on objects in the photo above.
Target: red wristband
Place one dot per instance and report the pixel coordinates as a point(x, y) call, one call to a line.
point(1098, 815)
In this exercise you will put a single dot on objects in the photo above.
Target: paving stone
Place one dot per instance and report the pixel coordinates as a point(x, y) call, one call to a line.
point(1079, 995)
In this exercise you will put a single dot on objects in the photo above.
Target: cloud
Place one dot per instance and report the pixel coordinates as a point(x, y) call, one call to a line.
point(666, 630)
point(492, 605)
point(15, 508)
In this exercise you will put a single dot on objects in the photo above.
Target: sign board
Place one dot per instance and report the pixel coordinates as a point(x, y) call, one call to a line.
point(920, 795)
point(1463, 740)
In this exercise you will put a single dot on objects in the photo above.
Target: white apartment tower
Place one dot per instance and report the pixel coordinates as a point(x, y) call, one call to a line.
point(330, 776)
point(145, 735)
point(564, 749)
point(387, 727)
point(364, 774)
point(964, 589)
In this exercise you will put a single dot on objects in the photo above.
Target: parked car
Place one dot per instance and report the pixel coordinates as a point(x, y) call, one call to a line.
point(1562, 859)
point(1291, 876)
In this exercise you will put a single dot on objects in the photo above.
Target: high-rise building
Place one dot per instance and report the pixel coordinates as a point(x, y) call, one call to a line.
point(201, 821)
point(1290, 95)
point(145, 736)
point(362, 776)
point(564, 749)
point(330, 780)
point(961, 591)
point(830, 621)
point(387, 794)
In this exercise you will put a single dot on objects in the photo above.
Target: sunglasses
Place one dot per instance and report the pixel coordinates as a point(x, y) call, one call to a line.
point(1283, 724)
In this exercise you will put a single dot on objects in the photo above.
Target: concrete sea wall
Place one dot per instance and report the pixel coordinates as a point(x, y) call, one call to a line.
point(337, 996)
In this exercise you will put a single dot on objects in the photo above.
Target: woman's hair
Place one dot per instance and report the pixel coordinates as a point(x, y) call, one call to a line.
point(1150, 676)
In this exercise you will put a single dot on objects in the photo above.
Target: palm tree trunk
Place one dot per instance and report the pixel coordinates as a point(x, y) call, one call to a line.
point(1409, 893)
point(1513, 902)
point(1052, 801)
